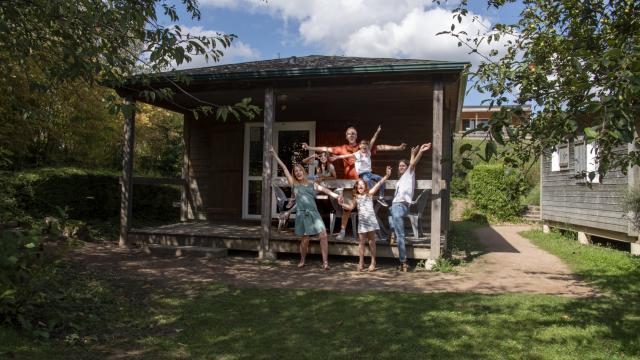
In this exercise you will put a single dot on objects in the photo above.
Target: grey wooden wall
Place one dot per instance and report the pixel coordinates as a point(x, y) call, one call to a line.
point(565, 199)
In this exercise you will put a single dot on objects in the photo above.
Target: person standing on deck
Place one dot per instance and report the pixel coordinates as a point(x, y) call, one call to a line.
point(403, 198)
point(349, 163)
point(308, 219)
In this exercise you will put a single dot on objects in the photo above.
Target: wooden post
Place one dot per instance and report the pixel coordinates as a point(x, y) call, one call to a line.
point(186, 212)
point(265, 252)
point(126, 183)
point(436, 169)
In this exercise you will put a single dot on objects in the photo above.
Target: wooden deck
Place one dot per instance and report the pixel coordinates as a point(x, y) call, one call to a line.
point(246, 236)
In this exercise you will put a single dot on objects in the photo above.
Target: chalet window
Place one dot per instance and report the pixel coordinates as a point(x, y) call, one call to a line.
point(586, 162)
point(560, 158)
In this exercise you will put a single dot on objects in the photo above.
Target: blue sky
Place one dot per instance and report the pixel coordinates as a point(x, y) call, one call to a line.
point(370, 28)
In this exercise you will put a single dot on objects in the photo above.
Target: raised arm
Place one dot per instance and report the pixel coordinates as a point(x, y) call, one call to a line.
point(287, 174)
point(336, 157)
point(416, 154)
point(309, 159)
point(316, 148)
point(391, 147)
point(323, 189)
point(376, 187)
point(372, 142)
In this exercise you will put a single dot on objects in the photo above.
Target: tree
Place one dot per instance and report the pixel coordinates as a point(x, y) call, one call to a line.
point(51, 46)
point(577, 61)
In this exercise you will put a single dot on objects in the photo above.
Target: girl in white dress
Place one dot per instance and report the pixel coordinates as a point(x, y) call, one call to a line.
point(367, 222)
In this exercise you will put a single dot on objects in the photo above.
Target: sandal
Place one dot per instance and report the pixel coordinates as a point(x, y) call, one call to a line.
point(301, 264)
point(360, 267)
point(404, 267)
point(372, 268)
point(325, 266)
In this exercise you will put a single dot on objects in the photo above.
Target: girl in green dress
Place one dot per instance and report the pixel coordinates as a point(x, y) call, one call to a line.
point(308, 219)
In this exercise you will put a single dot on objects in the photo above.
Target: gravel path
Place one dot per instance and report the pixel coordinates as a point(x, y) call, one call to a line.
point(511, 264)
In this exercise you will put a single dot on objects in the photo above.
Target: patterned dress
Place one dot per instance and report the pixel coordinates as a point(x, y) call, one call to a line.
point(308, 219)
point(366, 216)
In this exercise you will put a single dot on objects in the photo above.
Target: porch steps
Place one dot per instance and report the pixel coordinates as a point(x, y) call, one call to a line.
point(180, 251)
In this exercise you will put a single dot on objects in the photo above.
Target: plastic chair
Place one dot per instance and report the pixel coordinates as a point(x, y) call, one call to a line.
point(415, 211)
point(338, 212)
point(283, 203)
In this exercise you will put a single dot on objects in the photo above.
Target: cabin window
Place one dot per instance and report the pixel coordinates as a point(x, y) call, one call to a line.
point(592, 161)
point(586, 162)
point(560, 158)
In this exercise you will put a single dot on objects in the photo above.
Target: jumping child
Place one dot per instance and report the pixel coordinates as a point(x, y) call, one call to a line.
point(308, 219)
point(367, 222)
point(363, 164)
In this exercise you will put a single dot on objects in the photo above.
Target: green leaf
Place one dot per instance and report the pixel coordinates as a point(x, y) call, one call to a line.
point(464, 148)
point(590, 133)
point(30, 245)
point(490, 150)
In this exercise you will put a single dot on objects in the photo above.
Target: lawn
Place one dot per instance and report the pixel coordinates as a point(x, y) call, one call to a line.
point(216, 321)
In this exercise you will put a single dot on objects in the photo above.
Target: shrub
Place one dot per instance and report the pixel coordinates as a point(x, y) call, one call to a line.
point(85, 195)
point(496, 190)
point(29, 282)
point(533, 197)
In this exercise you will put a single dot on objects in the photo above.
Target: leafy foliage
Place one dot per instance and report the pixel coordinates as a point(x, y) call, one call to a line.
point(496, 190)
point(29, 282)
point(55, 54)
point(578, 61)
point(86, 195)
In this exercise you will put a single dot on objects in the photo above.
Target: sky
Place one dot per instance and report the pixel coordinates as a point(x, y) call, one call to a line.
point(268, 29)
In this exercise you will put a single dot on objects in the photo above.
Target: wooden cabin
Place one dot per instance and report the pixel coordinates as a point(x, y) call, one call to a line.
point(228, 173)
point(589, 207)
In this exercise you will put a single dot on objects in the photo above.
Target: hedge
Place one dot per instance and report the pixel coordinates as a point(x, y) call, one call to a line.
point(497, 190)
point(86, 195)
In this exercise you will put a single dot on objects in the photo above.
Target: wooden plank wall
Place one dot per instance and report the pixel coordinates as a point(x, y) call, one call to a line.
point(564, 200)
point(217, 148)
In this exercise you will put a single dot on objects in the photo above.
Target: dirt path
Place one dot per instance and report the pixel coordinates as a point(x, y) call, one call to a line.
point(511, 265)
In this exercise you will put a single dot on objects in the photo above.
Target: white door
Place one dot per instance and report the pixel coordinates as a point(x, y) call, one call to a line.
point(287, 140)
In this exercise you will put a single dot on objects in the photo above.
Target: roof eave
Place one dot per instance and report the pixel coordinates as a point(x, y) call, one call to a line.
point(307, 72)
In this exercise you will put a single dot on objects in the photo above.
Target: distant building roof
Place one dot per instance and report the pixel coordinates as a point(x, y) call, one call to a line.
point(478, 108)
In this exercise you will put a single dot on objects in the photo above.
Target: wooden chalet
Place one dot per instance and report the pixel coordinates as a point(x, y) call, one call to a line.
point(228, 174)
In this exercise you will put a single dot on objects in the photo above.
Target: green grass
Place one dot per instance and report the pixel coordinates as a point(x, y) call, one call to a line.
point(216, 321)
point(614, 271)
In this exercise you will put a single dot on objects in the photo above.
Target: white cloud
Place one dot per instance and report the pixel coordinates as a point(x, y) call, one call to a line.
point(237, 52)
point(381, 28)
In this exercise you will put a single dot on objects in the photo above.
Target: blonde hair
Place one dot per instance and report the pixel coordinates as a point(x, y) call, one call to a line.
point(304, 175)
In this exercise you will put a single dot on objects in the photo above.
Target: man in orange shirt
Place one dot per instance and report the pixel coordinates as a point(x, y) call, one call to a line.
point(349, 164)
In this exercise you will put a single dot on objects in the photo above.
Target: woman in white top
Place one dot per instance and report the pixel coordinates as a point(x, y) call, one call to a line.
point(367, 222)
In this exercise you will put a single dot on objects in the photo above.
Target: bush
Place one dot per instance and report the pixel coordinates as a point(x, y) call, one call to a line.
point(533, 197)
point(29, 282)
point(496, 190)
point(85, 195)
point(631, 206)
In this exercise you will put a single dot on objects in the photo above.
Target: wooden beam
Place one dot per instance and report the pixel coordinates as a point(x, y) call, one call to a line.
point(436, 169)
point(269, 106)
point(126, 184)
point(185, 213)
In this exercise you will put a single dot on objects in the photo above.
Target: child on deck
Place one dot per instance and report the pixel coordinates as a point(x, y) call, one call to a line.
point(308, 219)
point(363, 164)
point(367, 222)
point(324, 170)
